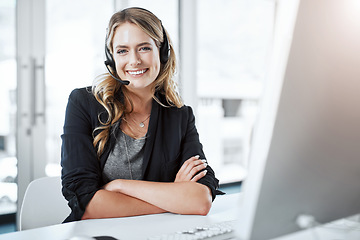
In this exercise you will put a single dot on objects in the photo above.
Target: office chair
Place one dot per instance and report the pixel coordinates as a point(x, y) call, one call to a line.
point(43, 204)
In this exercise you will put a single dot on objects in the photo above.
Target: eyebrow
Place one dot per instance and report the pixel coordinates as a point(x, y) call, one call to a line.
point(138, 45)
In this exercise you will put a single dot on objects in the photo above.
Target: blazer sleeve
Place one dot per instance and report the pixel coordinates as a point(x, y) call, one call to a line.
point(81, 175)
point(191, 146)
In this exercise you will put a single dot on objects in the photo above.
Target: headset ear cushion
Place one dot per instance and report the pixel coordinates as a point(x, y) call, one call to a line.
point(164, 49)
point(109, 58)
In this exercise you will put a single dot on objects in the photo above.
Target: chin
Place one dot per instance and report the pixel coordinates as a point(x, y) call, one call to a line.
point(136, 84)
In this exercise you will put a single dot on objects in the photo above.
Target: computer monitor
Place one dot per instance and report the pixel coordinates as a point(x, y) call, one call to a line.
point(305, 157)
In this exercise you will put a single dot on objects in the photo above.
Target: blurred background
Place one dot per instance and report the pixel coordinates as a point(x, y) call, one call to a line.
point(49, 47)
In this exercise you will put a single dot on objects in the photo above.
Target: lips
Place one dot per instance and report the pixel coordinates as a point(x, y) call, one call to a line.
point(137, 73)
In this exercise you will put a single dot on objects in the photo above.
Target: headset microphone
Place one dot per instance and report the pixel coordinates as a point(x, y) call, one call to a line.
point(125, 82)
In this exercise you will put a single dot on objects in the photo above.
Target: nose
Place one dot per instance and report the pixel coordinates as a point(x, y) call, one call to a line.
point(134, 59)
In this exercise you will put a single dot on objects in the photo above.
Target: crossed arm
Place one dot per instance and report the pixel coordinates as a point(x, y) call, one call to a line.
point(122, 198)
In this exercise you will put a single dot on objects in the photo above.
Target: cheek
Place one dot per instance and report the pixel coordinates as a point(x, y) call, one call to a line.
point(156, 64)
point(120, 64)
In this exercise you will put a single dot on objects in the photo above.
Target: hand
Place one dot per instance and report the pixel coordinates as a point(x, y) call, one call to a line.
point(189, 169)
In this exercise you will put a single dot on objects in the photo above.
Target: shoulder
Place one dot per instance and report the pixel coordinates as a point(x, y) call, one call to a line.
point(79, 94)
point(173, 115)
point(165, 106)
point(184, 111)
point(83, 97)
point(82, 101)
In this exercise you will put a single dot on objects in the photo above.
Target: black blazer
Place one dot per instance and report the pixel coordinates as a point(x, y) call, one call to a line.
point(172, 138)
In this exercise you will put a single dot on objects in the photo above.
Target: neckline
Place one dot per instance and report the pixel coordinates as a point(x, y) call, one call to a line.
point(134, 139)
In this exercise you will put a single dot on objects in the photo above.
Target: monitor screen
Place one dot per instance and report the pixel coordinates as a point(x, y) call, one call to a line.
point(305, 157)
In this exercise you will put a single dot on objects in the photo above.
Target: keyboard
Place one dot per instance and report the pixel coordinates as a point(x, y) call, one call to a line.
point(215, 231)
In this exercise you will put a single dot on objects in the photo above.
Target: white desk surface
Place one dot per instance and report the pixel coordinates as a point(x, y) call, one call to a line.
point(142, 227)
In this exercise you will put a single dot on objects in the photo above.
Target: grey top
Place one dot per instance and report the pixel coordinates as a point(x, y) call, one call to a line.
point(126, 159)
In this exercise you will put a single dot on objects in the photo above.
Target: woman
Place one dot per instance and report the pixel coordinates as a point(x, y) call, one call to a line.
point(131, 147)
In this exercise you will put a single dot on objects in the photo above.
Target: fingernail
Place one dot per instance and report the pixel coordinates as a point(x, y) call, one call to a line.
point(204, 160)
point(205, 171)
point(197, 156)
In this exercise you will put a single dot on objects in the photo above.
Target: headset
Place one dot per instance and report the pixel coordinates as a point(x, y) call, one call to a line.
point(164, 56)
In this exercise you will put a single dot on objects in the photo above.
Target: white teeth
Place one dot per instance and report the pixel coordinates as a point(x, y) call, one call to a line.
point(138, 72)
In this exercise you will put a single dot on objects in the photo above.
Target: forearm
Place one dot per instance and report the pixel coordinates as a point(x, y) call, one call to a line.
point(107, 204)
point(177, 197)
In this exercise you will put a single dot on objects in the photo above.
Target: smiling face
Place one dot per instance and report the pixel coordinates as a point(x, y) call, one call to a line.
point(136, 56)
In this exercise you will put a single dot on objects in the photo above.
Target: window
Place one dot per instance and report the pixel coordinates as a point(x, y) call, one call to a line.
point(233, 38)
point(8, 161)
point(74, 57)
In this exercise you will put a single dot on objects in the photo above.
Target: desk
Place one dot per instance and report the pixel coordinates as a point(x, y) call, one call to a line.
point(140, 227)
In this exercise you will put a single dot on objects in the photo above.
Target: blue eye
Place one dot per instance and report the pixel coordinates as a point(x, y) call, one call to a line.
point(121, 51)
point(145, 49)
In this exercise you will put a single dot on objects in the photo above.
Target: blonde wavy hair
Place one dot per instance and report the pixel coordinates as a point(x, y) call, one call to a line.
point(106, 88)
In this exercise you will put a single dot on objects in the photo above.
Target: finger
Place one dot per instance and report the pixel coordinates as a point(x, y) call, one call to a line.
point(182, 176)
point(192, 163)
point(188, 175)
point(199, 176)
point(193, 168)
point(186, 163)
point(190, 167)
point(186, 167)
point(197, 169)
